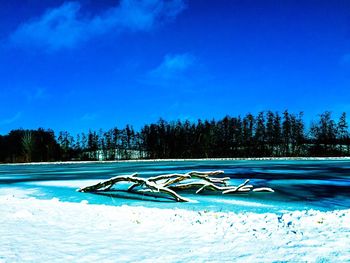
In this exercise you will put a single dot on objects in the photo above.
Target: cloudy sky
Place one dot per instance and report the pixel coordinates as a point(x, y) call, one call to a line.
point(75, 65)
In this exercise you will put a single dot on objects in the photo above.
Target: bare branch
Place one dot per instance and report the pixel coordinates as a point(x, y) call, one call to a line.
point(170, 183)
point(135, 180)
point(166, 176)
point(263, 189)
point(239, 188)
point(108, 183)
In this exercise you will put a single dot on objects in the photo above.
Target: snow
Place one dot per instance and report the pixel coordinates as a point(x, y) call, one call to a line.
point(342, 158)
point(34, 230)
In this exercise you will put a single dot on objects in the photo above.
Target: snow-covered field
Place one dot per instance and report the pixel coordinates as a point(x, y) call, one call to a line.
point(33, 230)
point(342, 158)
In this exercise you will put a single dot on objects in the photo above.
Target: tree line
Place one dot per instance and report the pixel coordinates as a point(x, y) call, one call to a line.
point(267, 134)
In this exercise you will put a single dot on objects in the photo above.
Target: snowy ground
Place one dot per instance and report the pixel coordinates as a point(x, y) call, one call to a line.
point(34, 230)
point(342, 158)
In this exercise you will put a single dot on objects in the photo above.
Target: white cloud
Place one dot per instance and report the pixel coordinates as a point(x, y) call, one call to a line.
point(66, 26)
point(173, 67)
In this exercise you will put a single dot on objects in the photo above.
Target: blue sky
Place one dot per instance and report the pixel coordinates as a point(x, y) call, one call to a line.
point(75, 65)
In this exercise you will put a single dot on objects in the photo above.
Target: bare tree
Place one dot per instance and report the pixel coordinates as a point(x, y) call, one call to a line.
point(28, 145)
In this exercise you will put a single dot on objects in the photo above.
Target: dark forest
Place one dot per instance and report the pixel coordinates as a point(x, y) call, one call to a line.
point(268, 134)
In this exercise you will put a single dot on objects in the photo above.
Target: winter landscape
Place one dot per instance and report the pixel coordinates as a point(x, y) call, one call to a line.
point(307, 218)
point(174, 131)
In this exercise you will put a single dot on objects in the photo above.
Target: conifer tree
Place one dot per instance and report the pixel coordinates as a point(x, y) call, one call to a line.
point(343, 133)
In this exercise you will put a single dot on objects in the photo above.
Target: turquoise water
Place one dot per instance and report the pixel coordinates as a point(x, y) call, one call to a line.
point(322, 185)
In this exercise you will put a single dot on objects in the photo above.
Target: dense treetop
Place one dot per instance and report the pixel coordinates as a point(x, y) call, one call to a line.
point(268, 134)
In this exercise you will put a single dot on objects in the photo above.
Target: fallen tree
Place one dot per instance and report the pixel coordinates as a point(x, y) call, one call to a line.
point(170, 184)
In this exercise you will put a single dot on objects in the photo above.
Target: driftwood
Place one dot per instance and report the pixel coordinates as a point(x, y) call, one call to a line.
point(154, 187)
point(169, 184)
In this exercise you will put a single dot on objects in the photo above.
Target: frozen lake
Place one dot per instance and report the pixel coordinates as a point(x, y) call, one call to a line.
point(299, 184)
